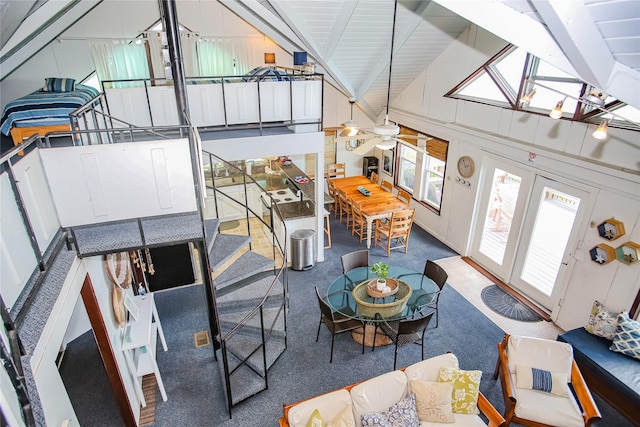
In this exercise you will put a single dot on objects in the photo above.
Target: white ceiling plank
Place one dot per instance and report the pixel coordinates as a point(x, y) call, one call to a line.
point(577, 35)
point(513, 27)
point(35, 42)
point(339, 27)
point(13, 14)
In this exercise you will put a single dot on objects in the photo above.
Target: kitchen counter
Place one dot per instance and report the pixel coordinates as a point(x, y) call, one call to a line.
point(294, 210)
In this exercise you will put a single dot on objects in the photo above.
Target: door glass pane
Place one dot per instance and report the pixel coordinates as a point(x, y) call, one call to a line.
point(497, 225)
point(551, 231)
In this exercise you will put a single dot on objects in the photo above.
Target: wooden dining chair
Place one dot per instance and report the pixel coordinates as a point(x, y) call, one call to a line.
point(344, 208)
point(395, 233)
point(336, 170)
point(358, 222)
point(374, 178)
point(335, 205)
point(405, 196)
point(387, 185)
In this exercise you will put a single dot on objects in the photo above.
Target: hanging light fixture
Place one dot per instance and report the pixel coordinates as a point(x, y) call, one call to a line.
point(601, 132)
point(269, 58)
point(556, 113)
point(389, 130)
point(351, 126)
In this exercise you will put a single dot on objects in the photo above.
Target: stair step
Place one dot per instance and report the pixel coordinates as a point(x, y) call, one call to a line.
point(211, 230)
point(242, 346)
point(224, 247)
point(250, 288)
point(244, 382)
point(273, 318)
point(248, 264)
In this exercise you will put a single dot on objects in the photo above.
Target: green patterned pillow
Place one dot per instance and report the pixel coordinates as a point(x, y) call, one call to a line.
point(602, 322)
point(315, 420)
point(627, 337)
point(466, 385)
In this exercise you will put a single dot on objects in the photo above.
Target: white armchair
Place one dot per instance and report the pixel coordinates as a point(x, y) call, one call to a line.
point(535, 374)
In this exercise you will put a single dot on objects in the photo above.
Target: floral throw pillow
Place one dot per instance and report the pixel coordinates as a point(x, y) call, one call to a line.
point(315, 420)
point(466, 386)
point(627, 337)
point(602, 322)
point(401, 414)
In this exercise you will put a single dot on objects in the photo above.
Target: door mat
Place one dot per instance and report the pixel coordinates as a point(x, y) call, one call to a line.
point(229, 225)
point(507, 306)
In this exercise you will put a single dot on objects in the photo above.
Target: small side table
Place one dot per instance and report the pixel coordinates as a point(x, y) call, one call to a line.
point(139, 344)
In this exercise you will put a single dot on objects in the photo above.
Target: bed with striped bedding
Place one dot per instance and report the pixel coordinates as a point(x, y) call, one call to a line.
point(44, 108)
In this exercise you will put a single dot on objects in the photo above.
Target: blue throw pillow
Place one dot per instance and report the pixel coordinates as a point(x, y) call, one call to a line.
point(56, 84)
point(401, 414)
point(627, 337)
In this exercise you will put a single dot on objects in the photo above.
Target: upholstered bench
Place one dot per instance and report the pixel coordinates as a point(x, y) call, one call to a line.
point(613, 376)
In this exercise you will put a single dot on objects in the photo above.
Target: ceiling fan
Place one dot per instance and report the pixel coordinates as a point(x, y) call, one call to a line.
point(383, 136)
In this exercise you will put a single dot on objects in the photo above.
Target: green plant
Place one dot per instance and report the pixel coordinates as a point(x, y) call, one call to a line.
point(381, 270)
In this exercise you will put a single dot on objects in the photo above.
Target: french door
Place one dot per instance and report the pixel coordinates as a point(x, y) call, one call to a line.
point(545, 252)
point(525, 229)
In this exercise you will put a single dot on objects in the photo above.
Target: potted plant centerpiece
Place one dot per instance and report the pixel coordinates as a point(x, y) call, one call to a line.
point(381, 270)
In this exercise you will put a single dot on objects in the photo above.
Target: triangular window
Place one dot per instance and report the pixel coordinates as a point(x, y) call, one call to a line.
point(507, 78)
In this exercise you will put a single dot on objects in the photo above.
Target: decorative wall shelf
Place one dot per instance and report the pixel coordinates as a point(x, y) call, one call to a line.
point(611, 229)
point(628, 253)
point(602, 254)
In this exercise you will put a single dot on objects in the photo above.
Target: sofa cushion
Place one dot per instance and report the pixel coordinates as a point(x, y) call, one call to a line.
point(433, 400)
point(619, 372)
point(428, 370)
point(459, 420)
point(540, 353)
point(400, 414)
point(627, 337)
point(378, 394)
point(602, 322)
point(329, 406)
point(466, 386)
point(548, 408)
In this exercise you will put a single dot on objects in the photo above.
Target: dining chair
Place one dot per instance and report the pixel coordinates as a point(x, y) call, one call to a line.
point(374, 178)
point(336, 170)
point(336, 322)
point(436, 273)
point(542, 385)
point(344, 207)
point(403, 195)
point(395, 233)
point(405, 331)
point(387, 185)
point(358, 222)
point(331, 189)
point(354, 259)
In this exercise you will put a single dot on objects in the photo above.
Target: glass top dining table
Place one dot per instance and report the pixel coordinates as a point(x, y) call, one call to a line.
point(341, 298)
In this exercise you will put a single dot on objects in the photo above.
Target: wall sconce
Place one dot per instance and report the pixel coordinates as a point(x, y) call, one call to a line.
point(299, 58)
point(269, 58)
point(556, 113)
point(601, 132)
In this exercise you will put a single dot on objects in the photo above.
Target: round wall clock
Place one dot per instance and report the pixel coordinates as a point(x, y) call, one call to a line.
point(466, 166)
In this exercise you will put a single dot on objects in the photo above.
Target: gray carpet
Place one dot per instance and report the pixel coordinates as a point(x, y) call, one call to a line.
point(194, 385)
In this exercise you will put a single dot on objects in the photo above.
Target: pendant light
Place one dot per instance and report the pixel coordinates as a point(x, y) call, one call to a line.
point(389, 130)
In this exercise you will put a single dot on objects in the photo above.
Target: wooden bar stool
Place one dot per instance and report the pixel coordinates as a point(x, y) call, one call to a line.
point(327, 228)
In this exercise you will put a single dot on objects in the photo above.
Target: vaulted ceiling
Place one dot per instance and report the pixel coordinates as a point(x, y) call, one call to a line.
point(350, 40)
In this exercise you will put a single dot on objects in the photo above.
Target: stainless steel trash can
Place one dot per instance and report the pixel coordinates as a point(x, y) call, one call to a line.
point(303, 249)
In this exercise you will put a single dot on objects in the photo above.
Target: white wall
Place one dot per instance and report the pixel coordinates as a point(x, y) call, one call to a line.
point(562, 149)
point(102, 183)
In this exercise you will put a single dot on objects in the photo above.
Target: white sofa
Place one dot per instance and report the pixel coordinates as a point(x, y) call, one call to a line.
point(381, 392)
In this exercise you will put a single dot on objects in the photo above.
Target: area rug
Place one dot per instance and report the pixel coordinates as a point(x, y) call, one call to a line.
point(507, 306)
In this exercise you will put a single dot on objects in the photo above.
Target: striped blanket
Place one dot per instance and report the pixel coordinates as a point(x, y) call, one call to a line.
point(44, 108)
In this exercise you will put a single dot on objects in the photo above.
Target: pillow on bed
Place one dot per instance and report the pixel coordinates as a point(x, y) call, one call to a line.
point(56, 84)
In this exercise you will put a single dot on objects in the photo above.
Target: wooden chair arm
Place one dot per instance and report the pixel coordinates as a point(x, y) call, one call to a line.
point(507, 381)
point(590, 410)
point(493, 416)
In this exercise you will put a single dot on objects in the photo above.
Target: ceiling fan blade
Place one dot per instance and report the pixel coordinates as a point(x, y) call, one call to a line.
point(364, 148)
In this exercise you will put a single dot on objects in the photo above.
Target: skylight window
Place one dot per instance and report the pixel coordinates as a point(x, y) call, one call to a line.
point(508, 76)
